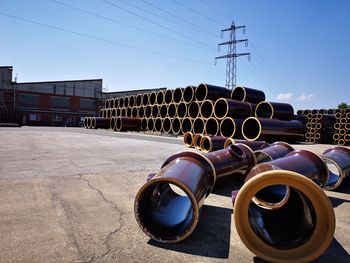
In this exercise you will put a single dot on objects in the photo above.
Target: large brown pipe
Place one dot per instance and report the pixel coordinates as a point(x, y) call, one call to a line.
point(197, 140)
point(148, 111)
point(193, 110)
point(211, 126)
point(227, 127)
point(280, 227)
point(105, 104)
point(121, 102)
point(158, 124)
point(163, 110)
point(101, 113)
point(232, 108)
point(247, 95)
point(135, 112)
point(89, 122)
point(181, 110)
point(150, 124)
point(167, 206)
point(188, 94)
point(128, 124)
point(206, 109)
point(338, 161)
point(272, 129)
point(138, 100)
point(126, 101)
point(86, 123)
point(177, 95)
point(273, 152)
point(166, 125)
point(255, 145)
point(152, 98)
point(212, 143)
point(155, 111)
point(186, 125)
point(198, 125)
point(132, 101)
point(112, 122)
point(145, 99)
point(188, 139)
point(274, 110)
point(141, 112)
point(168, 97)
point(99, 123)
point(176, 126)
point(144, 124)
point(114, 112)
point(160, 97)
point(210, 92)
point(172, 110)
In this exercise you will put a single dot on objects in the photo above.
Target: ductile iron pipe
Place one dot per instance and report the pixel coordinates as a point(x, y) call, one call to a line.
point(168, 97)
point(210, 92)
point(232, 108)
point(181, 110)
point(274, 110)
point(227, 127)
point(186, 125)
point(128, 124)
point(273, 151)
point(166, 125)
point(176, 126)
point(188, 94)
point(211, 126)
point(193, 110)
point(198, 126)
point(177, 95)
point(206, 109)
point(188, 139)
point(212, 143)
point(247, 94)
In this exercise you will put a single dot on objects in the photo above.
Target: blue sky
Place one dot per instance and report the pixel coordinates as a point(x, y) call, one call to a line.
point(299, 49)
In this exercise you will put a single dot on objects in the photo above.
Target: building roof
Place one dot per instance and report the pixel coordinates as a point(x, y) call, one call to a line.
point(59, 81)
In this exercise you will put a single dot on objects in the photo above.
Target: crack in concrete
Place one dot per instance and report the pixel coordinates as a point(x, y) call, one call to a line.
point(110, 234)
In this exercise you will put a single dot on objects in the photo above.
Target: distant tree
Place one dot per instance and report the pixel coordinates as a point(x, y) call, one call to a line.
point(343, 105)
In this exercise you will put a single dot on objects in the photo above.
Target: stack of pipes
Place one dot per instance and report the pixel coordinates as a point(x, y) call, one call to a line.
point(327, 126)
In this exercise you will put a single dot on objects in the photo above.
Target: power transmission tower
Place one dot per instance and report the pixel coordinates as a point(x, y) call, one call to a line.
point(232, 55)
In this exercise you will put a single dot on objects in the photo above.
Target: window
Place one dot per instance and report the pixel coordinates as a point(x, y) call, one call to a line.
point(28, 99)
point(87, 104)
point(60, 102)
point(34, 117)
point(56, 118)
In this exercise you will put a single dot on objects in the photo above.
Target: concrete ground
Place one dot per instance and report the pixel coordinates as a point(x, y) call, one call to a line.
point(67, 195)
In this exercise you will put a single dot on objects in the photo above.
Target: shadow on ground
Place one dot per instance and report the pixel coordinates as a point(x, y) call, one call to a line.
point(211, 238)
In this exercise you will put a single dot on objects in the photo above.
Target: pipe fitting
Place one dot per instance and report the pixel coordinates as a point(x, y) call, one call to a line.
point(273, 152)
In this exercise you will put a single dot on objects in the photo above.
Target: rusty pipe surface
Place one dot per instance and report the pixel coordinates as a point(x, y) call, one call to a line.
point(211, 126)
point(181, 110)
point(273, 151)
point(274, 110)
point(128, 124)
point(300, 230)
point(167, 206)
point(168, 97)
point(176, 126)
point(186, 125)
point(247, 95)
point(206, 109)
point(212, 143)
point(338, 161)
point(188, 139)
point(177, 95)
point(272, 129)
point(193, 109)
point(198, 126)
point(232, 108)
point(166, 128)
point(210, 92)
point(188, 94)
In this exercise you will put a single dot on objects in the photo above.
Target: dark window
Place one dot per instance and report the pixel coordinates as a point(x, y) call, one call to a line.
point(28, 99)
point(59, 102)
point(87, 104)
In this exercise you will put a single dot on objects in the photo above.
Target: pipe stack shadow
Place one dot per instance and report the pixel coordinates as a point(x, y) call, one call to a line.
point(280, 209)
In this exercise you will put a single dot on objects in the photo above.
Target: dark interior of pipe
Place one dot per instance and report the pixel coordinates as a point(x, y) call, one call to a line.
point(238, 94)
point(134, 112)
point(131, 101)
point(126, 101)
point(176, 125)
point(272, 195)
point(168, 96)
point(141, 112)
point(206, 144)
point(221, 108)
point(172, 110)
point(138, 99)
point(163, 111)
point(148, 112)
point(188, 94)
point(197, 141)
point(118, 124)
point(160, 97)
point(86, 122)
point(212, 127)
point(121, 102)
point(334, 173)
point(261, 157)
point(206, 109)
point(198, 126)
point(158, 125)
point(165, 211)
point(181, 110)
point(286, 227)
point(177, 95)
point(152, 98)
point(129, 112)
point(93, 123)
point(150, 124)
point(264, 111)
point(186, 125)
point(145, 99)
point(193, 110)
point(166, 125)
point(155, 110)
point(144, 124)
point(201, 92)
point(251, 128)
point(188, 139)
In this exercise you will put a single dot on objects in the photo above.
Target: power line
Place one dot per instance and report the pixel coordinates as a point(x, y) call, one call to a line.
point(103, 39)
point(157, 24)
point(124, 24)
point(201, 29)
point(212, 7)
point(198, 13)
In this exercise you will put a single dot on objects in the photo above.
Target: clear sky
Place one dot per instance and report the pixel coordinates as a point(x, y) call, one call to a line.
point(300, 49)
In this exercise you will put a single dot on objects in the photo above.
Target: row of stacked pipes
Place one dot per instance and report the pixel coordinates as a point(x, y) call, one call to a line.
point(281, 212)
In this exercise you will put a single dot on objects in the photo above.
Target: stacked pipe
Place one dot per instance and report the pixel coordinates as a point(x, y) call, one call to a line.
point(281, 213)
point(327, 126)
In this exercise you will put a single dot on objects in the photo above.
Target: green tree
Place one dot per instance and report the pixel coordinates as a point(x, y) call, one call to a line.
point(343, 105)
